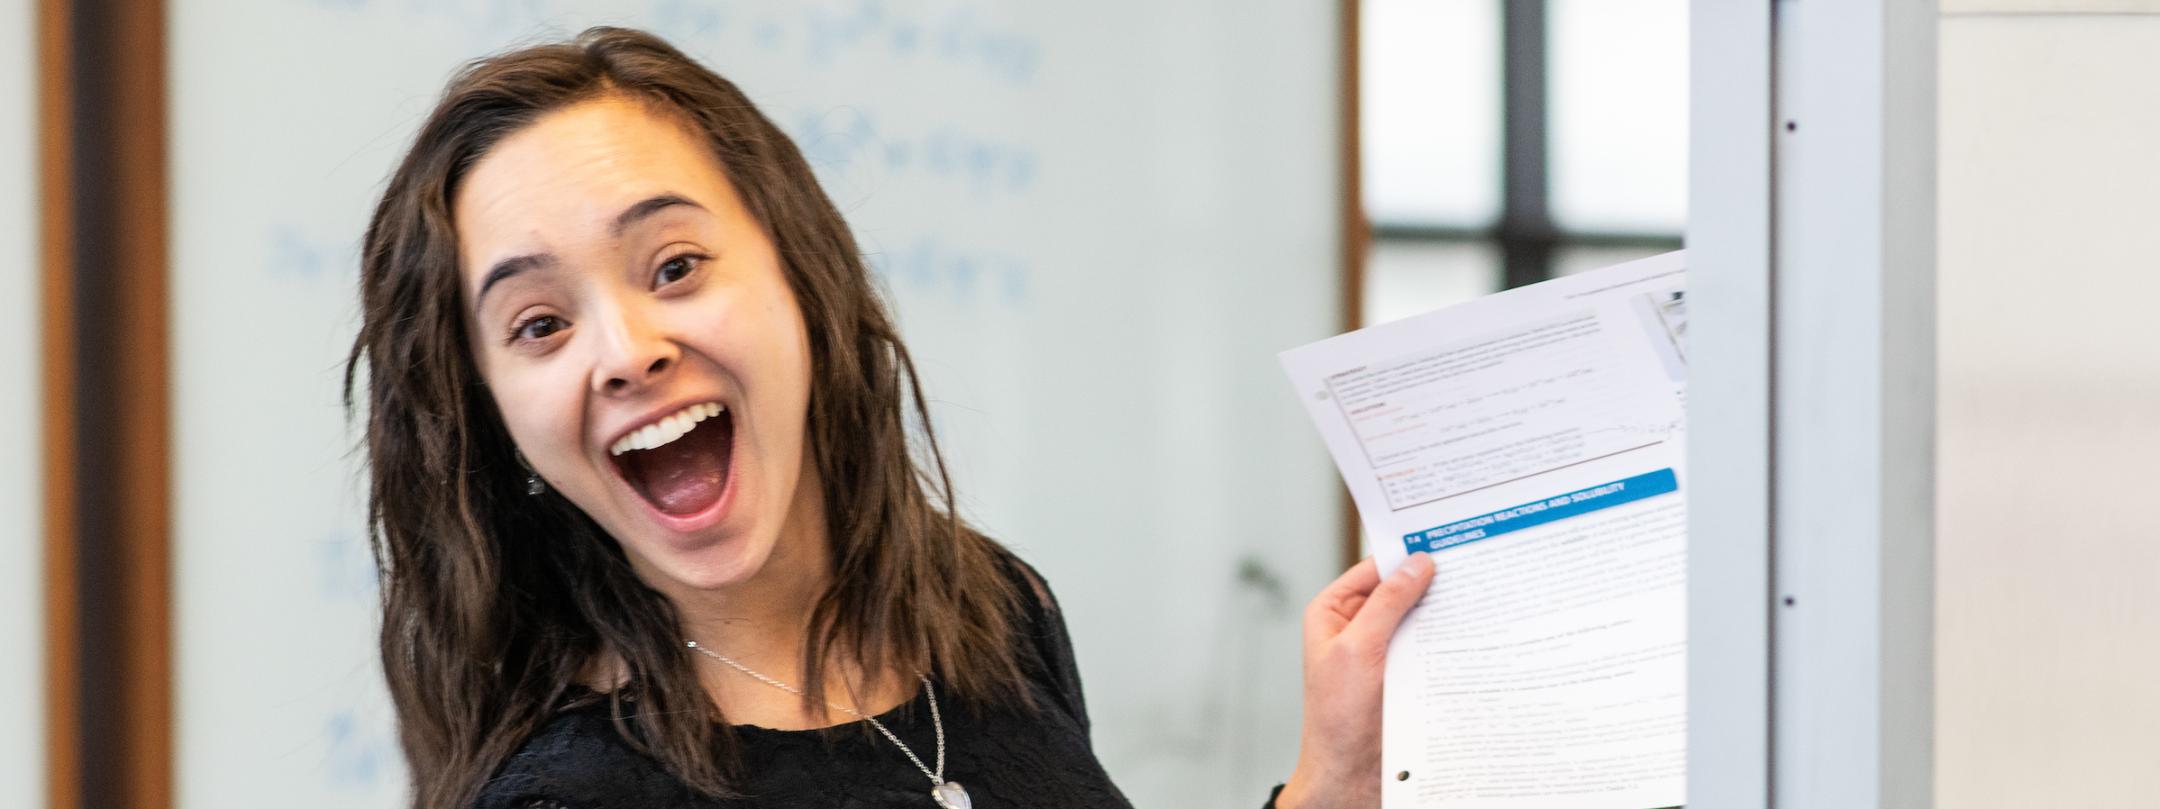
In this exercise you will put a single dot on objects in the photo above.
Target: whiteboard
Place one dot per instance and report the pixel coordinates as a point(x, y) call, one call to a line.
point(22, 597)
point(1098, 223)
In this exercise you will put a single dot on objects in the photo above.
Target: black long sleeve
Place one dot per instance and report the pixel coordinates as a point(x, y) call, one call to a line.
point(1003, 757)
point(580, 764)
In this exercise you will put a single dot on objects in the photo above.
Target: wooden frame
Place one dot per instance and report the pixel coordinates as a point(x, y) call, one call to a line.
point(56, 227)
point(106, 407)
point(1355, 229)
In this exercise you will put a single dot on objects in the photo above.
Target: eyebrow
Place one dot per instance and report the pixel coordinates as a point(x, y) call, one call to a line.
point(513, 265)
point(508, 267)
point(633, 214)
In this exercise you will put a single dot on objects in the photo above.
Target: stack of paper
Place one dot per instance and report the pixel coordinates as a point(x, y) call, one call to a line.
point(1532, 442)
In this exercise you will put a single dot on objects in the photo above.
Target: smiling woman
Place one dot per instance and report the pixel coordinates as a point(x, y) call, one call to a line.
point(643, 493)
point(640, 319)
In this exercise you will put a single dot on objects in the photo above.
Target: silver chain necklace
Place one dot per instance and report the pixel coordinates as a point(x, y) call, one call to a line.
point(948, 794)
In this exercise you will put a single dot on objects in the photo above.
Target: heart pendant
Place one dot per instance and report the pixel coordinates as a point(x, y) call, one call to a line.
point(951, 795)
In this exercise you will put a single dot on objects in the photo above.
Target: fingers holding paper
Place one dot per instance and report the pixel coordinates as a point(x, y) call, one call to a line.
point(1347, 627)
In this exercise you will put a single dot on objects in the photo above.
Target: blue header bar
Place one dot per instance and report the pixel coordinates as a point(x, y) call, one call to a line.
point(1540, 512)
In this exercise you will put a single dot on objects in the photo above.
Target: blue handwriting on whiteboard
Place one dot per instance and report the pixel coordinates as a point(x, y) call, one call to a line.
point(347, 568)
point(836, 141)
point(360, 752)
point(928, 266)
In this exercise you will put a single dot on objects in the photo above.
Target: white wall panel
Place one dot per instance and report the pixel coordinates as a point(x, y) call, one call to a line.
point(2049, 546)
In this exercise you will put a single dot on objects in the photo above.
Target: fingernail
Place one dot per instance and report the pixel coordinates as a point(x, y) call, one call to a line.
point(1420, 563)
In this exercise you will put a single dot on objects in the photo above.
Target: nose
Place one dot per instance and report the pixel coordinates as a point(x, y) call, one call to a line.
point(633, 354)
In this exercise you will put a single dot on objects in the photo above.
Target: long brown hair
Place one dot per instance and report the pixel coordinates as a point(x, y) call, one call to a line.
point(494, 602)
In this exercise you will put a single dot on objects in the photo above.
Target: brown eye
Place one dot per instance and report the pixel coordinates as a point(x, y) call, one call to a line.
point(676, 269)
point(536, 328)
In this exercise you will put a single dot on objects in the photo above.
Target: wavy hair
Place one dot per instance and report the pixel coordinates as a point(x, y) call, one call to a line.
point(494, 602)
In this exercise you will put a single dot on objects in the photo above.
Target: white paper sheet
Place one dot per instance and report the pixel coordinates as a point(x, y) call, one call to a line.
point(1532, 441)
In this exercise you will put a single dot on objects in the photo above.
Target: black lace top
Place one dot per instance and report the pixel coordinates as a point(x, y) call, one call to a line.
point(1004, 758)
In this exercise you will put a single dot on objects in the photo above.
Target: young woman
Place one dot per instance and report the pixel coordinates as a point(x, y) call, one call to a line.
point(650, 526)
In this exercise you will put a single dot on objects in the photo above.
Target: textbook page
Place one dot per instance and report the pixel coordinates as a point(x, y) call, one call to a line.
point(1532, 442)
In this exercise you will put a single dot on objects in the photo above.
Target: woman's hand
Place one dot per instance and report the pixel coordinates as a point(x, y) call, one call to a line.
point(1347, 628)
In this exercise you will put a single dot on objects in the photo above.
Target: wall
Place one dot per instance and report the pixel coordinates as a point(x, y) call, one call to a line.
point(2048, 635)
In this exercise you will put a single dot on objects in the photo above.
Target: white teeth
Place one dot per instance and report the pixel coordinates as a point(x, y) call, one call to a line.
point(666, 430)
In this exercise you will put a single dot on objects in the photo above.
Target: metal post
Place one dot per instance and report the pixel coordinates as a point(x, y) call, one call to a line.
point(1853, 385)
point(1729, 402)
point(1526, 227)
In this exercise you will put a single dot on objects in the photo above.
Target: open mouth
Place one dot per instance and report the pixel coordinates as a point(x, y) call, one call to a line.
point(679, 464)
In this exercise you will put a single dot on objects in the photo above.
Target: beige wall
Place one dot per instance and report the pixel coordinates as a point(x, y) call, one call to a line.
point(2050, 6)
point(2049, 535)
